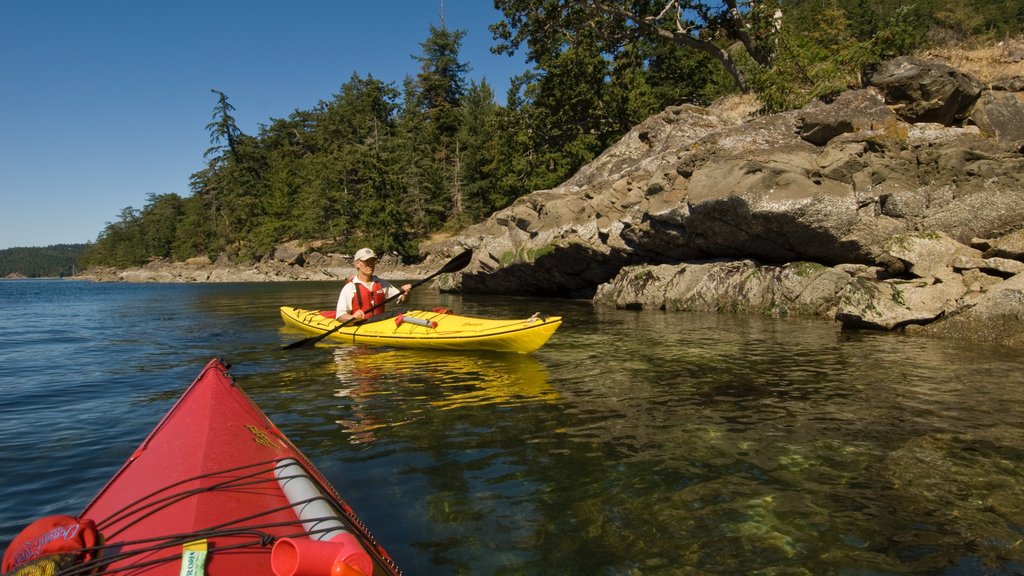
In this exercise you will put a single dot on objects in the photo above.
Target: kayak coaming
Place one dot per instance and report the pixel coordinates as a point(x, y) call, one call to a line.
point(452, 331)
point(213, 456)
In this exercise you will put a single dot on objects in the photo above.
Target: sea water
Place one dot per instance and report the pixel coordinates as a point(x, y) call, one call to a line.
point(638, 443)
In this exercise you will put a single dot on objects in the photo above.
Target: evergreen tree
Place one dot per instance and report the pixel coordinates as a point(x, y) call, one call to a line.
point(420, 176)
point(121, 243)
point(232, 183)
point(159, 224)
point(196, 234)
point(358, 169)
point(480, 157)
point(434, 100)
point(224, 132)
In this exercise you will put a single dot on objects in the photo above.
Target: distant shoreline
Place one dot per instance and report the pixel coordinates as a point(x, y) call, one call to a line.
point(267, 271)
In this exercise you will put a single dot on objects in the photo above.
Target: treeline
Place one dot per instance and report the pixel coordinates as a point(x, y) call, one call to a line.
point(56, 261)
point(388, 166)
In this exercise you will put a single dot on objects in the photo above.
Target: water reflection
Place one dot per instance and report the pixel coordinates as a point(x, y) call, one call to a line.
point(442, 380)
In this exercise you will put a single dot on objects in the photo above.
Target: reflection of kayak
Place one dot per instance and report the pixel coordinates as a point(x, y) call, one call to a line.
point(384, 388)
point(442, 330)
point(215, 484)
point(459, 379)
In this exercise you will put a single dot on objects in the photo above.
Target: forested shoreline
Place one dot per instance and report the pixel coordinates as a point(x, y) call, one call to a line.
point(56, 261)
point(388, 166)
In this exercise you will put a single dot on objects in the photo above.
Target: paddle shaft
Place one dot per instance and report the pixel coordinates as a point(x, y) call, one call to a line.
point(454, 265)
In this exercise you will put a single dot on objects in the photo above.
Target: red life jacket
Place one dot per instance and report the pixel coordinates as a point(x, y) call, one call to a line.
point(366, 298)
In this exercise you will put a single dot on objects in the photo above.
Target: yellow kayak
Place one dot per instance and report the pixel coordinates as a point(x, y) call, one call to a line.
point(430, 329)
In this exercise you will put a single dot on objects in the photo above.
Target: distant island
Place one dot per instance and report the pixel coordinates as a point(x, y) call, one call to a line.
point(56, 261)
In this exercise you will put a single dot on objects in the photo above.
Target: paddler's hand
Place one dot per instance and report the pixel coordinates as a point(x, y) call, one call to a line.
point(359, 316)
point(405, 296)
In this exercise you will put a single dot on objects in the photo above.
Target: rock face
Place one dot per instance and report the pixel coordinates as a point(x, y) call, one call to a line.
point(899, 204)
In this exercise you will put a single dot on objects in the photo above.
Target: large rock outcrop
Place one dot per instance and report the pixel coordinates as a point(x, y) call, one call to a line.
point(897, 204)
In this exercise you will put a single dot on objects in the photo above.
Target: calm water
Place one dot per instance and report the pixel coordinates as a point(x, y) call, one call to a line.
point(632, 443)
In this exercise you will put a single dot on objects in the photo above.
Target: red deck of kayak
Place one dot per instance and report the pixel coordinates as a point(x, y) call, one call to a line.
point(207, 468)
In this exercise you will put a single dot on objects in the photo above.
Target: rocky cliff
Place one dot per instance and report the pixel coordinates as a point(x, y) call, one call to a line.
point(897, 205)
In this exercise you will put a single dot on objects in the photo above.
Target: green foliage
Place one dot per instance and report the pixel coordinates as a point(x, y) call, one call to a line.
point(58, 260)
point(480, 159)
point(805, 269)
point(121, 244)
point(528, 255)
point(431, 129)
point(897, 295)
point(224, 132)
point(534, 253)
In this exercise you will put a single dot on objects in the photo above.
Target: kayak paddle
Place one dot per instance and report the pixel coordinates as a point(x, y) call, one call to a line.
point(454, 265)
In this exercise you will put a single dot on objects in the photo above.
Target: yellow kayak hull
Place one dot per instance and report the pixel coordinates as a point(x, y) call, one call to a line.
point(451, 332)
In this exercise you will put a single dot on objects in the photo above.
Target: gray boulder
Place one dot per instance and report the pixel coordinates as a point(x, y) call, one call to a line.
point(923, 91)
point(995, 315)
point(1000, 115)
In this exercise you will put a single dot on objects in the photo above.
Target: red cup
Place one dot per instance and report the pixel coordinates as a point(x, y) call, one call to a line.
point(339, 556)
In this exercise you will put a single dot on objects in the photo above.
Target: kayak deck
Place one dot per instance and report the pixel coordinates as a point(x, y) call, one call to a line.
point(443, 330)
point(215, 470)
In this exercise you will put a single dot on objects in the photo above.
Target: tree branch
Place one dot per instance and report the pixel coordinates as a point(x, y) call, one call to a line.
point(680, 36)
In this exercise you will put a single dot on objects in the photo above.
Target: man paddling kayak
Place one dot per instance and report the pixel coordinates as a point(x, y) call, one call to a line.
point(364, 295)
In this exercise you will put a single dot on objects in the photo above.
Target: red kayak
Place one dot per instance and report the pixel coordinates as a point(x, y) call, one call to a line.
point(215, 489)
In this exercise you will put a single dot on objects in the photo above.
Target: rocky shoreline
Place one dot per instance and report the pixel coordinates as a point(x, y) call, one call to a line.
point(289, 263)
point(898, 205)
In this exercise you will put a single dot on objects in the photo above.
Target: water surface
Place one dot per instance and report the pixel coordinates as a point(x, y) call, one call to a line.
point(632, 443)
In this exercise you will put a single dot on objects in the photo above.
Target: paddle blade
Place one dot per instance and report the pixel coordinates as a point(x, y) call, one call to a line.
point(304, 343)
point(457, 263)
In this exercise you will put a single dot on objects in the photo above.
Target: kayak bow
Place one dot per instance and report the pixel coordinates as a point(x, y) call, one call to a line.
point(216, 488)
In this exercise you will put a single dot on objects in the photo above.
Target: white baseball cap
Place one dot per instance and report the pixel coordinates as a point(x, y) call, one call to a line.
point(363, 254)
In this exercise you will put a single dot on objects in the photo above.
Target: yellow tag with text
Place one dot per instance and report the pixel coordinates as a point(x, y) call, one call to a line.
point(193, 558)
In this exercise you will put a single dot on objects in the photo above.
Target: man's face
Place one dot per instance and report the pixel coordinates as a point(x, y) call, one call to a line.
point(367, 265)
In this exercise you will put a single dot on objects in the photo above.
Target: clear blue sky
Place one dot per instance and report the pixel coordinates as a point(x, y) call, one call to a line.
point(103, 102)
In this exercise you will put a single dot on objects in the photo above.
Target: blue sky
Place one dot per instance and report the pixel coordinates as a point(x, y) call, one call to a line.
point(103, 102)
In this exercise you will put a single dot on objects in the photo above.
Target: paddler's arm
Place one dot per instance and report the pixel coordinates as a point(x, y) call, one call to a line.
point(357, 316)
